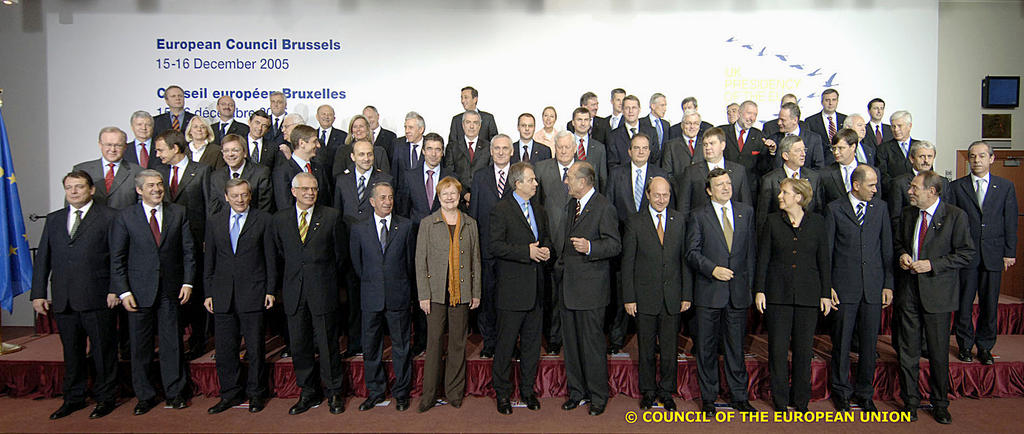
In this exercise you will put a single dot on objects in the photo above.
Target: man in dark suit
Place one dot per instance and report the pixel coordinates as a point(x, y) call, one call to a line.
point(382, 137)
point(140, 149)
point(771, 127)
point(352, 193)
point(794, 155)
point(592, 240)
point(588, 148)
point(688, 103)
point(877, 132)
point(720, 246)
point(619, 138)
point(237, 165)
point(241, 276)
point(262, 147)
point(991, 205)
point(487, 128)
point(469, 152)
point(865, 152)
point(655, 288)
point(597, 126)
point(828, 121)
point(894, 154)
point(626, 187)
point(554, 195)
point(525, 149)
point(691, 185)
point(744, 143)
point(330, 138)
point(152, 270)
point(835, 179)
point(112, 174)
point(407, 151)
point(74, 259)
point(922, 156)
point(309, 240)
point(656, 118)
point(382, 255)
point(520, 244)
point(306, 146)
point(226, 123)
point(818, 155)
point(278, 109)
point(490, 185)
point(860, 236)
point(187, 187)
point(175, 117)
point(687, 149)
point(932, 242)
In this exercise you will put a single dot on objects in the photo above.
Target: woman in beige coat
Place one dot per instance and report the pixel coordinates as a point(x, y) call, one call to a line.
point(448, 283)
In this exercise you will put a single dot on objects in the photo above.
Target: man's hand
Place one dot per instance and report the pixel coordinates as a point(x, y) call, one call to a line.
point(684, 306)
point(466, 196)
point(425, 306)
point(41, 305)
point(835, 299)
point(1008, 262)
point(129, 303)
point(905, 261)
point(770, 144)
point(630, 309)
point(886, 297)
point(268, 301)
point(285, 150)
point(113, 301)
point(760, 301)
point(922, 266)
point(208, 304)
point(474, 303)
point(580, 244)
point(545, 253)
point(722, 273)
point(185, 294)
point(535, 252)
point(826, 305)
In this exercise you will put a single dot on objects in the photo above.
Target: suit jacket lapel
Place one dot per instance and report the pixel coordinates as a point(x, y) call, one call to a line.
point(122, 174)
point(87, 220)
point(314, 223)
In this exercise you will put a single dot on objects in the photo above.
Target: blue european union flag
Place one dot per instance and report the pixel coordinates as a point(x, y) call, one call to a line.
point(16, 275)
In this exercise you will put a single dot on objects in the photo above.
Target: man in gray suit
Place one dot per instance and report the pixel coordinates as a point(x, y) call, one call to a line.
point(589, 149)
point(113, 174)
point(681, 152)
point(554, 195)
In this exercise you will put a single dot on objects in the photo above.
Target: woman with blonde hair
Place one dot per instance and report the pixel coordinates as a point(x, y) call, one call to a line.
point(201, 148)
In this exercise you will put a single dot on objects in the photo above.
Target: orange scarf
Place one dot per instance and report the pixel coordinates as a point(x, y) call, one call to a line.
point(454, 295)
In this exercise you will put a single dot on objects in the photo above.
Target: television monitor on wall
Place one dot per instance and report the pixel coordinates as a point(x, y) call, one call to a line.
point(1000, 92)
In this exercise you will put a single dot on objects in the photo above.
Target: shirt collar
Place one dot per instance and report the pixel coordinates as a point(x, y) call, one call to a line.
point(789, 173)
point(181, 165)
point(718, 206)
point(136, 141)
point(148, 209)
point(502, 168)
point(240, 169)
point(931, 210)
point(243, 213)
point(586, 198)
point(519, 199)
point(854, 201)
point(474, 140)
point(635, 167)
point(309, 212)
point(106, 163)
point(300, 161)
point(562, 166)
point(987, 178)
point(84, 209)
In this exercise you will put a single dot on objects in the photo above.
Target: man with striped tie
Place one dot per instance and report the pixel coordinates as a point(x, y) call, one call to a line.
point(175, 117)
point(828, 121)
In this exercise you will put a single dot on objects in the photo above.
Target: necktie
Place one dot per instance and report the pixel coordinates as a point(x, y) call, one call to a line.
point(846, 177)
point(76, 223)
point(661, 230)
point(921, 232)
point(727, 228)
point(638, 189)
point(565, 173)
point(277, 125)
point(383, 233)
point(255, 152)
point(108, 178)
point(632, 132)
point(143, 156)
point(309, 168)
point(661, 134)
point(235, 229)
point(361, 187)
point(861, 158)
point(323, 137)
point(741, 140)
point(796, 175)
point(831, 128)
point(154, 226)
point(224, 128)
point(579, 209)
point(430, 188)
point(413, 156)
point(471, 150)
point(860, 213)
point(878, 134)
point(236, 175)
point(303, 226)
point(533, 225)
point(501, 182)
point(174, 181)
point(526, 154)
point(175, 123)
point(690, 143)
point(981, 190)
point(906, 148)
point(581, 152)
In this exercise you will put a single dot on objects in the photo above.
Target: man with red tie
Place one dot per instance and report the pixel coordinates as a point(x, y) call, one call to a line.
point(588, 148)
point(828, 121)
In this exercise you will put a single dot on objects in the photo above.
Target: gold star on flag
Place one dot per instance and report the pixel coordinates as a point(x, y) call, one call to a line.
point(13, 180)
point(14, 250)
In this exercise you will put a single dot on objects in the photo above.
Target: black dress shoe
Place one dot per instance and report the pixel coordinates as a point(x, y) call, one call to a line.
point(941, 415)
point(487, 353)
point(371, 402)
point(337, 404)
point(667, 403)
point(985, 357)
point(504, 406)
point(531, 403)
point(177, 403)
point(612, 349)
point(708, 408)
point(554, 349)
point(596, 410)
point(144, 406)
point(743, 406)
point(647, 402)
point(417, 350)
point(570, 404)
point(66, 409)
point(912, 411)
point(286, 354)
point(965, 355)
point(351, 353)
point(224, 405)
point(402, 404)
point(866, 405)
point(842, 404)
point(102, 409)
point(256, 404)
point(305, 404)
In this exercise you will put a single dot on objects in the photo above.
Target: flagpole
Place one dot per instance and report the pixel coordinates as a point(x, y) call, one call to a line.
point(4, 347)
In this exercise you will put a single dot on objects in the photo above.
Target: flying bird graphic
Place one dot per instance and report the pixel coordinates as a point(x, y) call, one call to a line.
point(829, 82)
point(762, 51)
point(814, 73)
point(748, 46)
point(782, 57)
point(797, 66)
point(731, 38)
point(812, 95)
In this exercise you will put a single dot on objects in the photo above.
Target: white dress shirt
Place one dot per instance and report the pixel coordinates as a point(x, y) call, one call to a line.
point(720, 208)
point(917, 226)
point(71, 213)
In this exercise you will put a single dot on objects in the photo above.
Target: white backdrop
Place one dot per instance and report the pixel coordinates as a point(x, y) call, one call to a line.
point(401, 56)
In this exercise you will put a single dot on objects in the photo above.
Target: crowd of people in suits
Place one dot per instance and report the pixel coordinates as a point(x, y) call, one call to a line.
point(561, 240)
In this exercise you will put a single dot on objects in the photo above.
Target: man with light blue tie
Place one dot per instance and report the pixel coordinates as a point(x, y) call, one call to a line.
point(658, 106)
point(894, 155)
